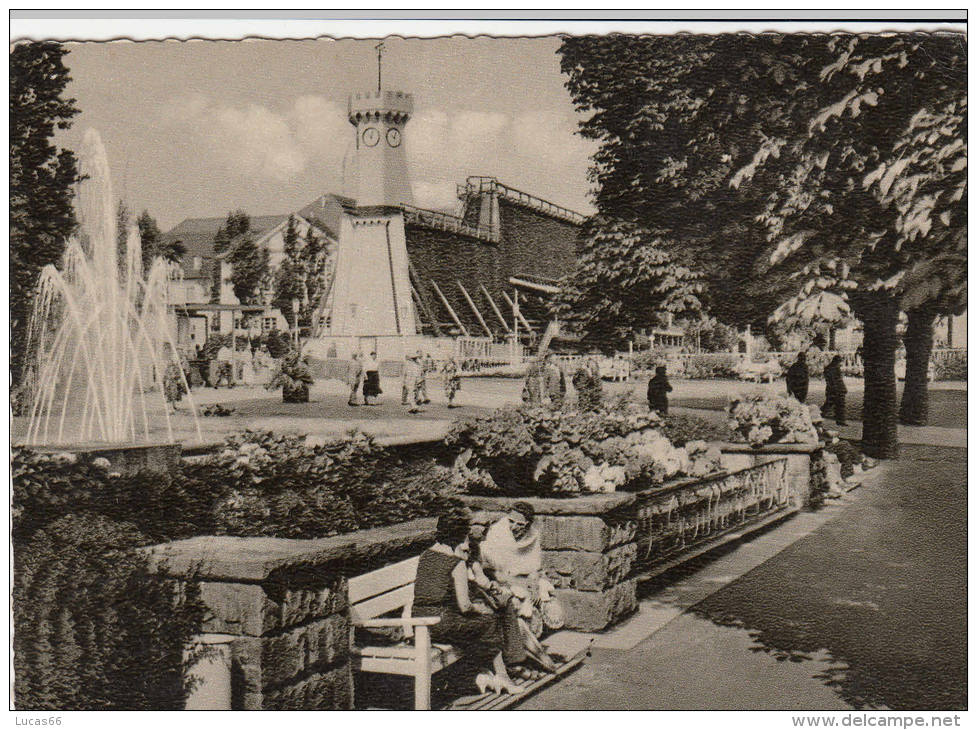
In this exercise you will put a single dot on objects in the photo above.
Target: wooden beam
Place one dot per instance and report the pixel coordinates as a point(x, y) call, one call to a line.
point(471, 304)
point(427, 310)
point(498, 312)
point(521, 318)
point(415, 285)
point(451, 311)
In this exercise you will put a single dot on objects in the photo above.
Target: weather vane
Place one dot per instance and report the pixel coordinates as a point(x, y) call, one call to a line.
point(379, 48)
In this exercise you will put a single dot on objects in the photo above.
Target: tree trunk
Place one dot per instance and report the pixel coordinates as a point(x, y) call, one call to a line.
point(919, 344)
point(879, 313)
point(949, 331)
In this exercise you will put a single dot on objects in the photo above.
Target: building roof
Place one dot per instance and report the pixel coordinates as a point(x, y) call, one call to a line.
point(197, 234)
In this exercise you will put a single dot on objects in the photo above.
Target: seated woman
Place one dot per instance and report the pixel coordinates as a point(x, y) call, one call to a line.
point(441, 589)
point(512, 554)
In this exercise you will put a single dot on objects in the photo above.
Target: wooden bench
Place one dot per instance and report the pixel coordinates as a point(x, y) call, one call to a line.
point(376, 599)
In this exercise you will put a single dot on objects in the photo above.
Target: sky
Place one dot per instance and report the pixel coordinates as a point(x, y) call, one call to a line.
point(199, 128)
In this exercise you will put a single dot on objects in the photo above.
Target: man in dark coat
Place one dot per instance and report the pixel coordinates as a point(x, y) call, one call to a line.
point(835, 391)
point(798, 378)
point(658, 390)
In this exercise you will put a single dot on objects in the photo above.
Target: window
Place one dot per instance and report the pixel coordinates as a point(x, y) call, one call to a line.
point(197, 263)
point(215, 322)
point(269, 324)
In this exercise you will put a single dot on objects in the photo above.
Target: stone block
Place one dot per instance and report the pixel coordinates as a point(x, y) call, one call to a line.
point(589, 571)
point(274, 660)
point(735, 462)
point(577, 532)
point(596, 610)
point(331, 690)
point(250, 609)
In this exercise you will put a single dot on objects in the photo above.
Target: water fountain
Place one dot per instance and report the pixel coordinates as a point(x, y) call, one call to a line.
point(101, 333)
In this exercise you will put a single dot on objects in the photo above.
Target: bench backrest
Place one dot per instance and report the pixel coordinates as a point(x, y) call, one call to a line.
point(383, 591)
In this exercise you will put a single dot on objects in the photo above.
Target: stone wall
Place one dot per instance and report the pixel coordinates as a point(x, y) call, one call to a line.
point(741, 456)
point(125, 459)
point(595, 546)
point(281, 606)
point(589, 550)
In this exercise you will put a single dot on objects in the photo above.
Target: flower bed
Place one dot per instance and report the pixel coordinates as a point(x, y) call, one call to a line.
point(537, 452)
point(761, 419)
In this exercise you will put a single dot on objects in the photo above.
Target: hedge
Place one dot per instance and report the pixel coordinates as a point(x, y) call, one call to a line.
point(93, 630)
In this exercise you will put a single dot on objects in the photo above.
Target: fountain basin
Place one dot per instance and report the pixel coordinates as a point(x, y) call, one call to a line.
point(124, 458)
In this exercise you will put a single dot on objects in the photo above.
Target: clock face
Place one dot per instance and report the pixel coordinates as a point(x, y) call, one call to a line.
point(393, 137)
point(371, 135)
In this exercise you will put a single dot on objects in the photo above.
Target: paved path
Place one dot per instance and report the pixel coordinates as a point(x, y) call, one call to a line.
point(867, 609)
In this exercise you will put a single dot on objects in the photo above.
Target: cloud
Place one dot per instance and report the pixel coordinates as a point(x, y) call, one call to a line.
point(321, 127)
point(537, 150)
point(258, 142)
point(435, 194)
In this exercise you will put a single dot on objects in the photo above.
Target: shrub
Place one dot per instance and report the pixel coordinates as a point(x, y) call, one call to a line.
point(93, 630)
point(47, 487)
point(847, 453)
point(716, 365)
point(291, 373)
point(952, 366)
point(680, 429)
point(762, 419)
point(282, 486)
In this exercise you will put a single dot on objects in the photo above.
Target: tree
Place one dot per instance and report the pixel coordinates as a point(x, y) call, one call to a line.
point(674, 116)
point(290, 278)
point(933, 288)
point(608, 303)
point(248, 260)
point(42, 177)
point(153, 246)
point(315, 255)
point(873, 189)
point(249, 263)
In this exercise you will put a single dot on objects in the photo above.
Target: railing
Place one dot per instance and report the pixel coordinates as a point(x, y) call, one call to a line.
point(475, 185)
point(679, 518)
point(447, 222)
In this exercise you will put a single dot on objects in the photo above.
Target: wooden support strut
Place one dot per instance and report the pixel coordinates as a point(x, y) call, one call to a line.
point(415, 287)
point(451, 311)
point(518, 313)
point(471, 304)
point(498, 312)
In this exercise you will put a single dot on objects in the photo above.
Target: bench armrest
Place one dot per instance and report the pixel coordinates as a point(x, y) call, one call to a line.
point(375, 623)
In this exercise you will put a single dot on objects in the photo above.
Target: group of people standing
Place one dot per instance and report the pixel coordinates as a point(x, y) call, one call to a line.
point(227, 368)
point(799, 378)
point(414, 392)
point(491, 596)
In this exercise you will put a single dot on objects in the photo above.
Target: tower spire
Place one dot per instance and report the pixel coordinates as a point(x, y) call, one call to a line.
point(379, 49)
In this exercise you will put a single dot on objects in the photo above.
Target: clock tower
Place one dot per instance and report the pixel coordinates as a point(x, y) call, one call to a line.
point(380, 163)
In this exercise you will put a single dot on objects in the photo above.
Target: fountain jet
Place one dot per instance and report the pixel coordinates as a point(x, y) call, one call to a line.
point(101, 334)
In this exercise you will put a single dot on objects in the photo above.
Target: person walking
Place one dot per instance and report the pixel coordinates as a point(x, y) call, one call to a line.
point(532, 390)
point(421, 385)
point(835, 391)
point(554, 382)
point(410, 387)
point(371, 385)
point(354, 376)
point(452, 381)
point(798, 378)
point(658, 390)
